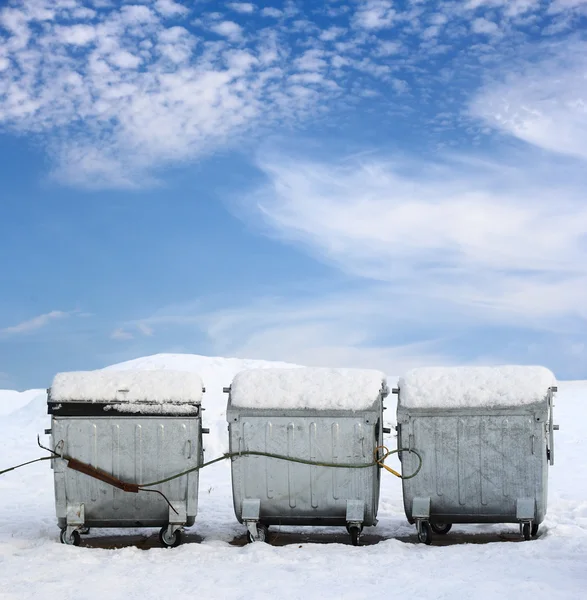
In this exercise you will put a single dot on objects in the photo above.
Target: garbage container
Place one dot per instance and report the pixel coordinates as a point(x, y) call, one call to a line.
point(320, 415)
point(485, 435)
point(138, 427)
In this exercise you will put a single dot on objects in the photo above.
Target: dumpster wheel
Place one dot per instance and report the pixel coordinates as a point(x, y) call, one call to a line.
point(355, 533)
point(441, 528)
point(170, 541)
point(70, 540)
point(424, 532)
point(262, 534)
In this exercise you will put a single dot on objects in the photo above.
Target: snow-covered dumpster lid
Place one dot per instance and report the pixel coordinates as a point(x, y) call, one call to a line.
point(471, 387)
point(308, 388)
point(146, 392)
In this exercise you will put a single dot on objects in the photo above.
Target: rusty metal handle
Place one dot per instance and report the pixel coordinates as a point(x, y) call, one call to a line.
point(76, 465)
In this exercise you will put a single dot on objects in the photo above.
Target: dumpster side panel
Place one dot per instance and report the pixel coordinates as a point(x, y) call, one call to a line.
point(291, 493)
point(136, 450)
point(475, 466)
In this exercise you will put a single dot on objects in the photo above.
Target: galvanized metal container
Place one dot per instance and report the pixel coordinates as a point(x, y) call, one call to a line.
point(268, 491)
point(154, 441)
point(479, 464)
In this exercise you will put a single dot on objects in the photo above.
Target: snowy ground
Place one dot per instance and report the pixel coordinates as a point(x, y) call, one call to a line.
point(34, 564)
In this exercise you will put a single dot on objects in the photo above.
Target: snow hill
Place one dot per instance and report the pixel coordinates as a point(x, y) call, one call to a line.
point(11, 401)
point(474, 561)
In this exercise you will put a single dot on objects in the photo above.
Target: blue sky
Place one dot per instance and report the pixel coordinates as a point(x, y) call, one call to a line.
point(371, 183)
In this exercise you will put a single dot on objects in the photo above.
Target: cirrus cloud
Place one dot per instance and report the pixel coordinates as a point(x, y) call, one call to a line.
point(120, 91)
point(486, 236)
point(33, 324)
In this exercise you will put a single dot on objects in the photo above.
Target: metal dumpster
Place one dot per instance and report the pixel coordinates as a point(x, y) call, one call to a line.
point(485, 435)
point(321, 415)
point(137, 426)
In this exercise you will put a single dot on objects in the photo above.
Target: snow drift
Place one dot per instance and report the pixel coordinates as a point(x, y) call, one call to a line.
point(34, 564)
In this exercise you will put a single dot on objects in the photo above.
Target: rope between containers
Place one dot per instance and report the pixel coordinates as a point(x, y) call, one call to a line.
point(91, 471)
point(378, 461)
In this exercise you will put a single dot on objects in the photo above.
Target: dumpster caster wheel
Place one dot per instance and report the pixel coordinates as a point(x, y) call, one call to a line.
point(355, 533)
point(534, 531)
point(71, 540)
point(262, 534)
point(424, 532)
point(441, 528)
point(170, 541)
point(526, 531)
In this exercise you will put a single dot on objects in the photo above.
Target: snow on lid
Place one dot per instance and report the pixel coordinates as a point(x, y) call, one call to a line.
point(456, 387)
point(163, 387)
point(313, 388)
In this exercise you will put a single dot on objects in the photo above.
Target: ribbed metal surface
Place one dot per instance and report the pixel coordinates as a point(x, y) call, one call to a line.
point(304, 494)
point(476, 465)
point(133, 449)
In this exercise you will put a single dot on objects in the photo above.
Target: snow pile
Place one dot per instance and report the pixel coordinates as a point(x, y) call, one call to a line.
point(10, 401)
point(132, 387)
point(456, 387)
point(307, 388)
point(33, 564)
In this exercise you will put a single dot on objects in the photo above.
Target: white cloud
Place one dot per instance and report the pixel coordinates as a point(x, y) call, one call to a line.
point(88, 166)
point(121, 334)
point(119, 91)
point(332, 33)
point(475, 4)
point(230, 29)
point(400, 86)
point(311, 60)
point(438, 19)
point(375, 14)
point(565, 5)
point(35, 323)
point(388, 48)
point(125, 60)
point(327, 330)
point(431, 32)
point(139, 93)
point(242, 7)
point(487, 238)
point(307, 78)
point(128, 331)
point(512, 7)
point(169, 8)
point(542, 103)
point(135, 14)
point(77, 35)
point(145, 329)
point(272, 12)
point(482, 25)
